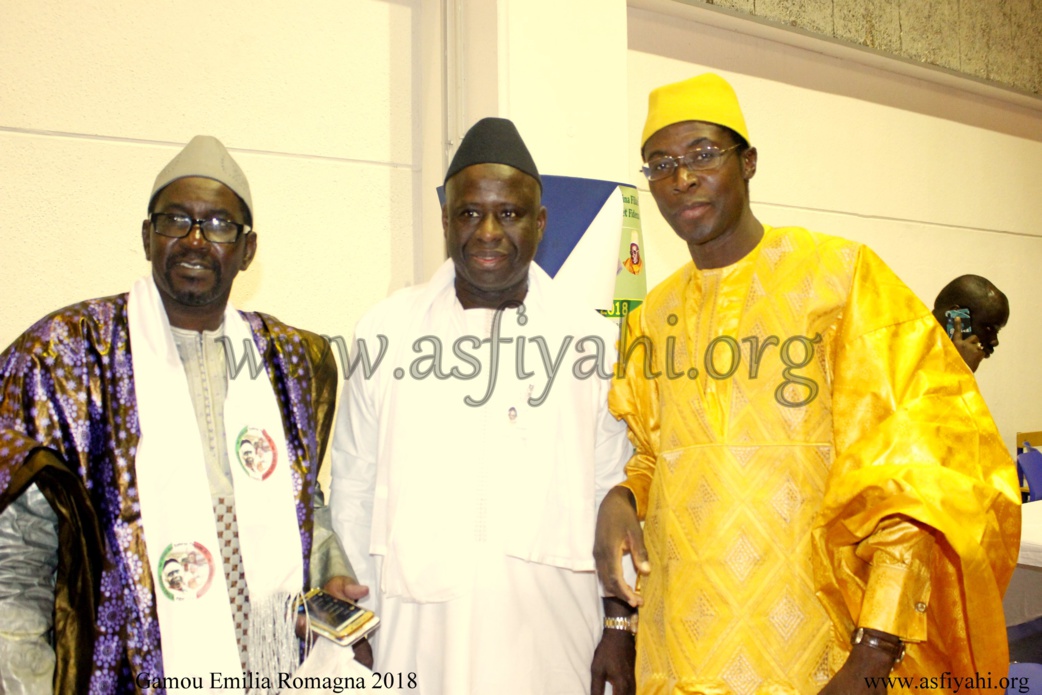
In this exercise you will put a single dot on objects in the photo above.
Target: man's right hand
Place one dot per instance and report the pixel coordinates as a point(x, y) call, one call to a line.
point(618, 533)
point(613, 662)
point(970, 348)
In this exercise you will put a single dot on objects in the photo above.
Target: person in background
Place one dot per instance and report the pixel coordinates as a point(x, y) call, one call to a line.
point(978, 311)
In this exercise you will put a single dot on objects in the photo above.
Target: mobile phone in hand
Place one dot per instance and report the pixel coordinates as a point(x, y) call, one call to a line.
point(960, 313)
point(342, 621)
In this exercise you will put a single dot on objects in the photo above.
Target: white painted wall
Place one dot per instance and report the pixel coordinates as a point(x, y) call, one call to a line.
point(343, 114)
point(556, 68)
point(318, 101)
point(904, 165)
point(563, 81)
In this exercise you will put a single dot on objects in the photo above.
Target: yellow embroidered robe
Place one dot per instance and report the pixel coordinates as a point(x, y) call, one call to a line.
point(792, 402)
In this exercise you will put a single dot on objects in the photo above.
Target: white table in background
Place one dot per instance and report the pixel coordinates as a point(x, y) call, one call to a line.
point(1023, 599)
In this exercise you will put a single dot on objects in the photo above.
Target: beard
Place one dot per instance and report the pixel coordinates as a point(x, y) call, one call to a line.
point(193, 294)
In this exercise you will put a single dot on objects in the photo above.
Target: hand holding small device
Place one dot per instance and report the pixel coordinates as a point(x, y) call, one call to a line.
point(339, 620)
point(961, 314)
point(961, 333)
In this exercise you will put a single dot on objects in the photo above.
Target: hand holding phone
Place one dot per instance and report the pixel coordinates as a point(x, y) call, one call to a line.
point(339, 620)
point(964, 318)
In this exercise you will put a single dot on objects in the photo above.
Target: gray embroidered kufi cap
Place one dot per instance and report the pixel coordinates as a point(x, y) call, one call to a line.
point(205, 157)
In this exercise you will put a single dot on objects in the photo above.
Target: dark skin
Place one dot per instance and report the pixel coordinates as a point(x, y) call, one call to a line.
point(992, 313)
point(989, 312)
point(710, 211)
point(619, 533)
point(615, 654)
point(615, 658)
point(970, 348)
point(863, 662)
point(707, 209)
point(348, 589)
point(987, 317)
point(493, 221)
point(195, 277)
point(617, 519)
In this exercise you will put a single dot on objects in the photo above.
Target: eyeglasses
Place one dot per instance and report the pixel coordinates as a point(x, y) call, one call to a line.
point(216, 230)
point(702, 159)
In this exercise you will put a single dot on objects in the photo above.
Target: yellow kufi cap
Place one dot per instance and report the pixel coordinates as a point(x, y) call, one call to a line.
point(707, 98)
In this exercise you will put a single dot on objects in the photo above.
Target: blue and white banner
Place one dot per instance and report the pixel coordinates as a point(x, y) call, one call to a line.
point(593, 245)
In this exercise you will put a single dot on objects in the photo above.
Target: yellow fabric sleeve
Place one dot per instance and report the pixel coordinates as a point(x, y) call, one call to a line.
point(913, 438)
point(634, 398)
point(898, 590)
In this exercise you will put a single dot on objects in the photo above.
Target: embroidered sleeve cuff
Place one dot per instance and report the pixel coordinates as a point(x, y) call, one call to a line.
point(896, 601)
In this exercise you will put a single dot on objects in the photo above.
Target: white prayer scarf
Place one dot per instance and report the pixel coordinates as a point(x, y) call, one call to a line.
point(195, 614)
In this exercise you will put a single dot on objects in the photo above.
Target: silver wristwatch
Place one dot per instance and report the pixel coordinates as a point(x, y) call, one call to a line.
point(628, 623)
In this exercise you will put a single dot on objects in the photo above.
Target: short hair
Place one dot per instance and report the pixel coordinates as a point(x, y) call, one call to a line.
point(971, 291)
point(743, 146)
point(742, 143)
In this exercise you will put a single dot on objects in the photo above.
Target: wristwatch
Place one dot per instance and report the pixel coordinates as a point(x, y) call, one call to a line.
point(627, 623)
point(896, 650)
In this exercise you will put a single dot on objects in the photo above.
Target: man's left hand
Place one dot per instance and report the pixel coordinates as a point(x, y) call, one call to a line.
point(970, 348)
point(865, 671)
point(344, 588)
point(349, 589)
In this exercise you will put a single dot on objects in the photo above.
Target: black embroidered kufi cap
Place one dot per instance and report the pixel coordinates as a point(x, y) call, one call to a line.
point(493, 141)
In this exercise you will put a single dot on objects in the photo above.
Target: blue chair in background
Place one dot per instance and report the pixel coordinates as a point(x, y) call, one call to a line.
point(1031, 463)
point(1028, 678)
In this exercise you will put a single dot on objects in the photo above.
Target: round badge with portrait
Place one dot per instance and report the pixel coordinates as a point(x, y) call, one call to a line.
point(185, 571)
point(256, 452)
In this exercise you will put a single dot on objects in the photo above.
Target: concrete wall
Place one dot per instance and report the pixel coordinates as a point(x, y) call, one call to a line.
point(996, 40)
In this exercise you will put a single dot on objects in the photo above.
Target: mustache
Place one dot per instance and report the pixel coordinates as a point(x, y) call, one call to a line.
point(199, 258)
